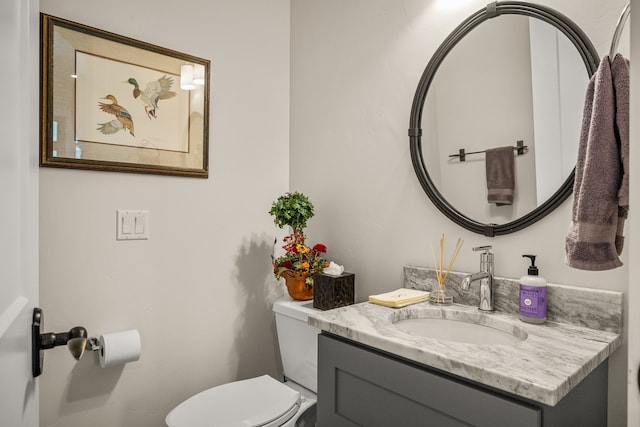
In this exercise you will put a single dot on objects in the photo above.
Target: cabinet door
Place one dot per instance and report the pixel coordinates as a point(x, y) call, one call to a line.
point(361, 387)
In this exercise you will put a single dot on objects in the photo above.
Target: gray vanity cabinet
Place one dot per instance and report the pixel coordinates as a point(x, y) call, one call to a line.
point(362, 386)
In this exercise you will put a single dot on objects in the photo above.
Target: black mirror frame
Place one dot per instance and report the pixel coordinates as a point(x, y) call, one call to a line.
point(591, 60)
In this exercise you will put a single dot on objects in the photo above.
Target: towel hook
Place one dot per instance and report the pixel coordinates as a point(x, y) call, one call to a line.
point(618, 32)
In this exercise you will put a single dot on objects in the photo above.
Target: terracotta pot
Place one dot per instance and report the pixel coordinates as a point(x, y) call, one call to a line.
point(298, 289)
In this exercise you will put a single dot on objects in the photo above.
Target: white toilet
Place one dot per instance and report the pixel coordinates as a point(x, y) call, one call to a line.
point(264, 401)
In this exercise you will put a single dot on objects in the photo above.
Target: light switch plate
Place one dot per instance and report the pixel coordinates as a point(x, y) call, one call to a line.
point(132, 225)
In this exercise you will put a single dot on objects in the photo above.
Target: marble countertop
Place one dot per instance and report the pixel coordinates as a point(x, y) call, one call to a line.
point(544, 367)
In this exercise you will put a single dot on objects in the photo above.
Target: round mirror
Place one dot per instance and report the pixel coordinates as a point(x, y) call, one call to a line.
point(517, 80)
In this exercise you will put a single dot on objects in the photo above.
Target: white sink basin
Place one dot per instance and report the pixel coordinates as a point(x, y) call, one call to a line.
point(463, 327)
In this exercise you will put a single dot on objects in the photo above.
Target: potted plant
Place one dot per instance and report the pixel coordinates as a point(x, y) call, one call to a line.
point(300, 262)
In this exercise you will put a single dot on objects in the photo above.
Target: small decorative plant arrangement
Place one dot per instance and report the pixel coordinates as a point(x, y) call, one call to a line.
point(439, 295)
point(300, 262)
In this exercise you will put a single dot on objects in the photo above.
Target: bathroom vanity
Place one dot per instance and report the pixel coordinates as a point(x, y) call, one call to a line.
point(375, 372)
point(362, 386)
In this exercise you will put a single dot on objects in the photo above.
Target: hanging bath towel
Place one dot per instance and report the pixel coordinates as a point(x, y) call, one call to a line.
point(601, 200)
point(500, 175)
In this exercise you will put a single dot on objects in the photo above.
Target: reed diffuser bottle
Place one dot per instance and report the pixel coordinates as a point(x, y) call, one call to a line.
point(439, 295)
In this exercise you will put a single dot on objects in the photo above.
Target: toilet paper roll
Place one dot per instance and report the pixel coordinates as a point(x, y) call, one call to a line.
point(119, 348)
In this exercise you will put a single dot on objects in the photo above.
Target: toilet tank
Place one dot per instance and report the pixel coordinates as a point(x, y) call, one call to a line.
point(298, 342)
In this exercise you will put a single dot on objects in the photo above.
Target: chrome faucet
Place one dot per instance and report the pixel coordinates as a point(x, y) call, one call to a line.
point(486, 279)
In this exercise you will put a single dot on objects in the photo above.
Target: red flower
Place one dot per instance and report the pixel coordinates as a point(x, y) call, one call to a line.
point(319, 247)
point(291, 248)
point(287, 264)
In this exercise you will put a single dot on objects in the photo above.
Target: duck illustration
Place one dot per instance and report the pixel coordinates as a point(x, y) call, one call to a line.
point(123, 120)
point(154, 92)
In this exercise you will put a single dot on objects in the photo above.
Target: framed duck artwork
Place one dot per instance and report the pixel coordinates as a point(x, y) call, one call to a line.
point(112, 103)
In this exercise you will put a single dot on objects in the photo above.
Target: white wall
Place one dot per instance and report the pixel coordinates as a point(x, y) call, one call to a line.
point(355, 67)
point(200, 290)
point(559, 82)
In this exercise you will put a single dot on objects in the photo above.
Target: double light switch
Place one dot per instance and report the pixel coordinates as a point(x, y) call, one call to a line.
point(132, 225)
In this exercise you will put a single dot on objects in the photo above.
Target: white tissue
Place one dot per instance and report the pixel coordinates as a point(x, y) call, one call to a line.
point(334, 269)
point(119, 348)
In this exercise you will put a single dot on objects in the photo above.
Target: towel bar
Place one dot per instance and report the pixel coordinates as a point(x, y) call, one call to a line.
point(462, 154)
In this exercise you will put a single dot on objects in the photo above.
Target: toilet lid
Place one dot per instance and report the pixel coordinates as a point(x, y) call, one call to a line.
point(261, 401)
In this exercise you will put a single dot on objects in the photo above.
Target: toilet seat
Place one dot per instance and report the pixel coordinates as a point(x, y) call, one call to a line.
point(256, 402)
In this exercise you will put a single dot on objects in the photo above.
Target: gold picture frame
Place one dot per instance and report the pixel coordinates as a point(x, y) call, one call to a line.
point(112, 103)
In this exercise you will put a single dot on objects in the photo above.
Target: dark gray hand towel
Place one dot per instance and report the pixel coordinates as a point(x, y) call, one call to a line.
point(620, 74)
point(500, 175)
point(597, 216)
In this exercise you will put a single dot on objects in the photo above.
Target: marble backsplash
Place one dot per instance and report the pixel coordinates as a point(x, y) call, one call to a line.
point(590, 308)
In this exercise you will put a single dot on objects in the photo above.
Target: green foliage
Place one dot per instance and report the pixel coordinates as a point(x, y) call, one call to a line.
point(293, 209)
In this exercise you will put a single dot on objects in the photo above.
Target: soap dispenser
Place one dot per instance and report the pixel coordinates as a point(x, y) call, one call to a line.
point(533, 295)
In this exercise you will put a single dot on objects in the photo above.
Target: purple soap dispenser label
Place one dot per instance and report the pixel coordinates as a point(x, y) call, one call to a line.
point(533, 301)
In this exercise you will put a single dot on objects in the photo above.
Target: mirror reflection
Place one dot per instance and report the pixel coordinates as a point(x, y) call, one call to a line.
point(510, 79)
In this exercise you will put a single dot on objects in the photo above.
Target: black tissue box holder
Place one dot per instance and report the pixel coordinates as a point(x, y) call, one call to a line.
point(333, 291)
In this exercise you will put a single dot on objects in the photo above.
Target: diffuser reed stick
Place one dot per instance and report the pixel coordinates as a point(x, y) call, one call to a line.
point(438, 266)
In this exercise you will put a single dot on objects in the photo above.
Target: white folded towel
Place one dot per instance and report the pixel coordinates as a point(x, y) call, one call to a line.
point(399, 298)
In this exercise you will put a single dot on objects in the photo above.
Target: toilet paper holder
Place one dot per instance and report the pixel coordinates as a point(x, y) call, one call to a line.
point(115, 348)
point(75, 339)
